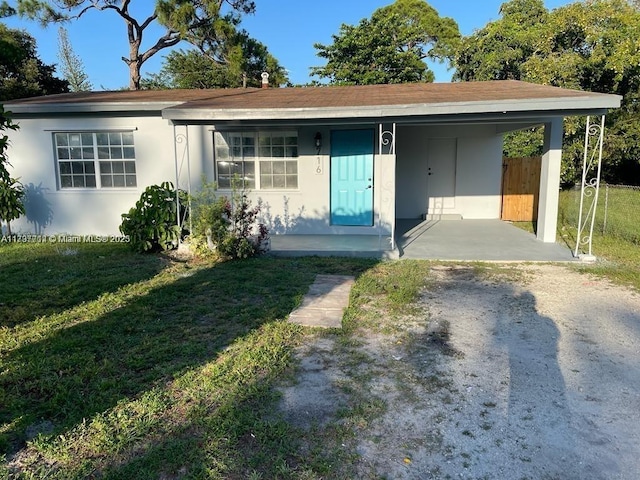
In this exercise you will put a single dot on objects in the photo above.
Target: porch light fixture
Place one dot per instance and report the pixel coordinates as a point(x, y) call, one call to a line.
point(318, 141)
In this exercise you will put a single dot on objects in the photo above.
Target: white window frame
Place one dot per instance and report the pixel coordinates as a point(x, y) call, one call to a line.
point(251, 155)
point(95, 159)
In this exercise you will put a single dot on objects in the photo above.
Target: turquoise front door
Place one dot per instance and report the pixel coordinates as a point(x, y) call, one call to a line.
point(352, 177)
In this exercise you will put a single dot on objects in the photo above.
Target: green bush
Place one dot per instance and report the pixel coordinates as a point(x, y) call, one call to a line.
point(152, 224)
point(11, 190)
point(11, 206)
point(227, 226)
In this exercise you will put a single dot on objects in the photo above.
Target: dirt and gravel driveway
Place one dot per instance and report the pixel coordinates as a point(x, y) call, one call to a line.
point(531, 373)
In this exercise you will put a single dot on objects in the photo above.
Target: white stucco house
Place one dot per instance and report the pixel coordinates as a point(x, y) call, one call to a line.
point(322, 160)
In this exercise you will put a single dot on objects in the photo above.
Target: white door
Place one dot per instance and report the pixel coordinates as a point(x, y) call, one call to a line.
point(441, 175)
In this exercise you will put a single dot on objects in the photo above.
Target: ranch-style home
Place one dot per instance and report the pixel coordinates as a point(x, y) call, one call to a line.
point(320, 160)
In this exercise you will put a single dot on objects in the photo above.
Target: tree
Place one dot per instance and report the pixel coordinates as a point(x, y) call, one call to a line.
point(201, 22)
point(589, 45)
point(71, 65)
point(241, 65)
point(11, 190)
point(390, 47)
point(22, 73)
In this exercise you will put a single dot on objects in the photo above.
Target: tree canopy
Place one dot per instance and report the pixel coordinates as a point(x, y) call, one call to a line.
point(589, 45)
point(71, 65)
point(22, 73)
point(241, 65)
point(390, 47)
point(205, 23)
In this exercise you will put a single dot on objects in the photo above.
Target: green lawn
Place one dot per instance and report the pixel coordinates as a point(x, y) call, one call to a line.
point(616, 243)
point(118, 365)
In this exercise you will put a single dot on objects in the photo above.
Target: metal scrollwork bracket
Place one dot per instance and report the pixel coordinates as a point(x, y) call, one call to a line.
point(590, 187)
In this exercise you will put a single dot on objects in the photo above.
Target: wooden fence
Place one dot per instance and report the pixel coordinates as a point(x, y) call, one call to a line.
point(520, 189)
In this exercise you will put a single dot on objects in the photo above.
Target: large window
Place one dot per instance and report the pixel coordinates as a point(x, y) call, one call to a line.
point(95, 160)
point(274, 154)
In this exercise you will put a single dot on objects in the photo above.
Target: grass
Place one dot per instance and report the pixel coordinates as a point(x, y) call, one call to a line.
point(118, 365)
point(388, 289)
point(618, 247)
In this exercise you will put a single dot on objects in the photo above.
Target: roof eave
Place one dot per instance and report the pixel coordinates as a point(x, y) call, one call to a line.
point(588, 103)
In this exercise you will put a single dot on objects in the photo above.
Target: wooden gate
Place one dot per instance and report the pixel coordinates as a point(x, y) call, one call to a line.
point(520, 189)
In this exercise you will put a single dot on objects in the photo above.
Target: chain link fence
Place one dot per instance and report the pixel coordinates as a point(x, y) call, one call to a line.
point(617, 214)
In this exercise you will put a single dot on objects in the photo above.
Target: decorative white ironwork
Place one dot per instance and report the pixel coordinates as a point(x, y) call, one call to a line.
point(387, 140)
point(181, 158)
point(590, 187)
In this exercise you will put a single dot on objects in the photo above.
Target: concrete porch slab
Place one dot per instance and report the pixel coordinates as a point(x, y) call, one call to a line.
point(324, 303)
point(438, 239)
point(367, 246)
point(474, 240)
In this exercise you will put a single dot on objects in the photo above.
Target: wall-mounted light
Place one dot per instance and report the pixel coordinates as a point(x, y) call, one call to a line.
point(318, 141)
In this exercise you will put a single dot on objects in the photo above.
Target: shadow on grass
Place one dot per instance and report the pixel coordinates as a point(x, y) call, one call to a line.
point(233, 440)
point(42, 279)
point(129, 348)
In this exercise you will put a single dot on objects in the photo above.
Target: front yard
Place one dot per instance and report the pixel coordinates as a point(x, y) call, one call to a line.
point(119, 365)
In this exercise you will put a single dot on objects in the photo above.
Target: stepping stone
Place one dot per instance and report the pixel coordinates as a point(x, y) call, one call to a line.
point(324, 303)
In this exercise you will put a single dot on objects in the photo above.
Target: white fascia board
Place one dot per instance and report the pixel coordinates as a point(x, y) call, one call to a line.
point(565, 104)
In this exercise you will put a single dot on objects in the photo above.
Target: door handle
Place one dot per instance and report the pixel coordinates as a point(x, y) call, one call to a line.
point(368, 187)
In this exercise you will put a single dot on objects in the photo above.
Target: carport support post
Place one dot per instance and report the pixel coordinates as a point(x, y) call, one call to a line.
point(550, 181)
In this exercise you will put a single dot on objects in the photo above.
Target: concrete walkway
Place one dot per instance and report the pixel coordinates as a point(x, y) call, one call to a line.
point(324, 303)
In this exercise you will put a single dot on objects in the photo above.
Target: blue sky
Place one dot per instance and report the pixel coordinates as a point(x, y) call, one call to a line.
point(289, 28)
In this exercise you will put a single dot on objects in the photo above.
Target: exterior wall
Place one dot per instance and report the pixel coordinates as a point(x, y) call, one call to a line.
point(90, 211)
point(477, 154)
point(85, 211)
point(306, 210)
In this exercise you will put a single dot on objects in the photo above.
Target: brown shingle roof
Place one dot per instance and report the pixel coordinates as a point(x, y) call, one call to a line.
point(318, 97)
point(374, 95)
point(309, 102)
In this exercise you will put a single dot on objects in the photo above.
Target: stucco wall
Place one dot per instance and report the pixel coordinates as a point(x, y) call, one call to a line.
point(90, 211)
point(477, 154)
point(304, 210)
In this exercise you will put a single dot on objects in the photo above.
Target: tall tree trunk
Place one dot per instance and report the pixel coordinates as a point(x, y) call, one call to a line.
point(134, 74)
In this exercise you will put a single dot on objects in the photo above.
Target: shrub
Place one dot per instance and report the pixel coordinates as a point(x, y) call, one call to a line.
point(11, 206)
point(11, 191)
point(152, 224)
point(227, 226)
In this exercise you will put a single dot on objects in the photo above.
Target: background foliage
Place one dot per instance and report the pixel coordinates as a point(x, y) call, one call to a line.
point(589, 45)
point(209, 25)
point(390, 47)
point(22, 73)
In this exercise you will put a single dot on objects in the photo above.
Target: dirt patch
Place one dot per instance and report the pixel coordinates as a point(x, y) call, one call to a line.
point(526, 372)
